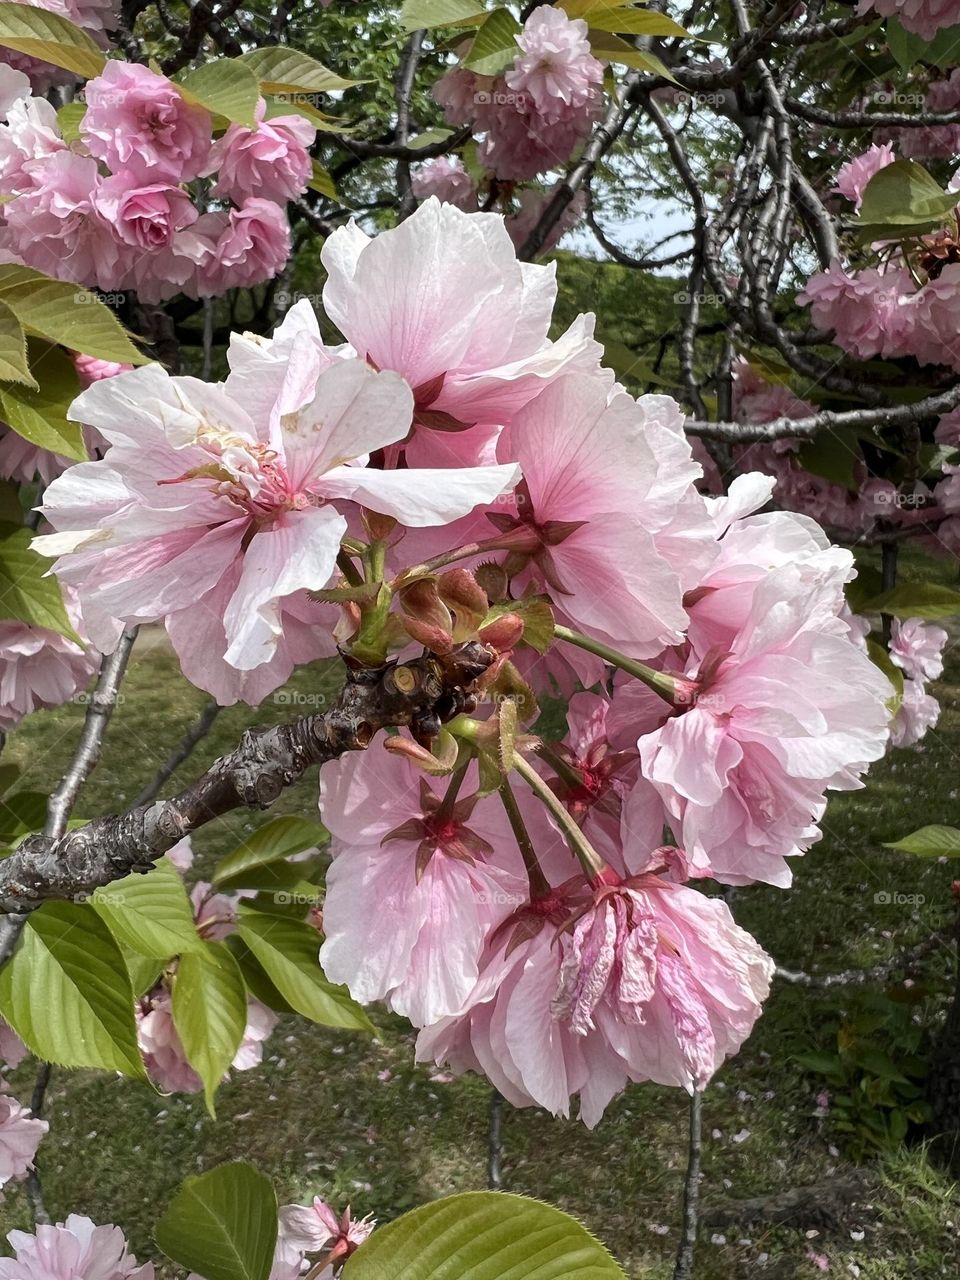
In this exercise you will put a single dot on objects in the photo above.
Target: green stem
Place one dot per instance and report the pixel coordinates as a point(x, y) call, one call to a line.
point(584, 851)
point(349, 569)
point(659, 681)
point(564, 771)
point(453, 786)
point(539, 885)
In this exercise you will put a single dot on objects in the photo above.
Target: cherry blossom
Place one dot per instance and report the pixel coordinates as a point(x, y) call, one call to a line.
point(76, 1249)
point(917, 648)
point(163, 1053)
point(853, 176)
point(201, 507)
point(270, 161)
point(316, 1229)
point(39, 668)
point(556, 67)
point(447, 179)
point(20, 1135)
point(918, 711)
point(923, 17)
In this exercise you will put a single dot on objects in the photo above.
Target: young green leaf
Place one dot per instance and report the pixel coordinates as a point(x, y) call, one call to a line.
point(283, 70)
point(483, 1235)
point(67, 994)
point(288, 954)
point(927, 600)
point(49, 37)
point(273, 842)
point(65, 313)
point(418, 14)
point(223, 1224)
point(40, 415)
point(226, 87)
point(150, 913)
point(209, 1012)
point(25, 594)
point(13, 350)
point(930, 842)
point(494, 47)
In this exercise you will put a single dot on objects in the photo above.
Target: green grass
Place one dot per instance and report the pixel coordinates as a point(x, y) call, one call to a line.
point(324, 1117)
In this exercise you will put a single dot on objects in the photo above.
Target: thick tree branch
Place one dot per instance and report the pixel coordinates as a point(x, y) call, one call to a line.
point(430, 689)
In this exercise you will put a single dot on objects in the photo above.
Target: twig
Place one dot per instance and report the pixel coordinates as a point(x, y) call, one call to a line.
point(683, 1269)
point(195, 734)
point(34, 1188)
point(494, 1142)
point(87, 756)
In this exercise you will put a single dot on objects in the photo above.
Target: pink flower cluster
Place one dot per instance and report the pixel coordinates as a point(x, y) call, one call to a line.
point(916, 648)
point(115, 212)
point(561, 964)
point(534, 115)
point(939, 140)
point(923, 17)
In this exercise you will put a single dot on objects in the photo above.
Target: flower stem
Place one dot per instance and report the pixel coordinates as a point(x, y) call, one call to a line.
point(581, 847)
point(659, 681)
point(539, 885)
point(453, 786)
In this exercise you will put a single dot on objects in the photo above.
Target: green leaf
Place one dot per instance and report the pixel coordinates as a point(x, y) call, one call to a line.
point(483, 1235)
point(144, 971)
point(225, 88)
point(13, 350)
point(494, 47)
point(209, 1012)
point(50, 38)
point(222, 1224)
point(925, 600)
point(879, 655)
point(25, 594)
point(834, 455)
point(257, 982)
point(611, 48)
point(69, 118)
point(322, 181)
point(930, 842)
point(40, 416)
point(902, 199)
point(21, 814)
point(288, 954)
point(150, 913)
point(603, 16)
point(909, 49)
point(419, 14)
point(272, 842)
point(66, 313)
point(280, 69)
point(66, 992)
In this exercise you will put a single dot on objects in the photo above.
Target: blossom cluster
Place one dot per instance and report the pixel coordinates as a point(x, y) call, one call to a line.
point(549, 935)
point(923, 17)
point(114, 209)
point(533, 116)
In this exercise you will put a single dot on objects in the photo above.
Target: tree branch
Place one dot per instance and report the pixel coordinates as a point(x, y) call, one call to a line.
point(426, 690)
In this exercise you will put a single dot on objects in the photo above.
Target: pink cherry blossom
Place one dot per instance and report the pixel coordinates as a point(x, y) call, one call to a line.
point(608, 519)
point(30, 132)
point(532, 205)
point(445, 178)
point(40, 669)
point(743, 770)
point(20, 1135)
point(229, 510)
point(437, 881)
point(14, 86)
point(316, 1229)
point(518, 145)
point(270, 161)
point(918, 711)
point(442, 300)
point(91, 369)
point(76, 1249)
point(144, 217)
point(253, 246)
point(12, 1049)
point(871, 313)
point(556, 67)
point(137, 121)
point(163, 1053)
point(22, 461)
point(923, 17)
point(853, 176)
point(654, 982)
point(55, 226)
point(917, 648)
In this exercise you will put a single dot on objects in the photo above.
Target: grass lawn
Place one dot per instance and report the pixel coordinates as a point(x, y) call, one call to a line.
point(353, 1119)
